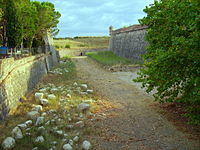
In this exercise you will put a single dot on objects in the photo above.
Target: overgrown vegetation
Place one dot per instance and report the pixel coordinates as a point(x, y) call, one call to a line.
point(25, 22)
point(108, 58)
point(172, 64)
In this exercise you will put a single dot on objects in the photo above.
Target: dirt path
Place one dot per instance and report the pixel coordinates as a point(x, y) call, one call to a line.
point(135, 125)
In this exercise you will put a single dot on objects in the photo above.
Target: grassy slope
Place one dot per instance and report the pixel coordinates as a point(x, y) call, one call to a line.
point(108, 58)
point(91, 42)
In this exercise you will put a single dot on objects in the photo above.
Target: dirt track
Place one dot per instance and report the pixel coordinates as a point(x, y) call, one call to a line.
point(135, 125)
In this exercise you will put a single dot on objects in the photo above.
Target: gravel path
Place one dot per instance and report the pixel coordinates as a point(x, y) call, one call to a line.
point(135, 125)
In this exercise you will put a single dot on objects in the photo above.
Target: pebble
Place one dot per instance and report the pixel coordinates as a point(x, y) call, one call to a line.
point(44, 102)
point(38, 96)
point(29, 122)
point(39, 139)
point(83, 107)
point(8, 143)
point(35, 148)
point(76, 139)
point(22, 126)
point(86, 145)
point(39, 121)
point(33, 114)
point(79, 124)
point(17, 133)
point(67, 147)
point(51, 97)
point(37, 108)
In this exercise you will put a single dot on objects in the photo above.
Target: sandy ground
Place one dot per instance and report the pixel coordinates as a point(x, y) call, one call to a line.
point(134, 125)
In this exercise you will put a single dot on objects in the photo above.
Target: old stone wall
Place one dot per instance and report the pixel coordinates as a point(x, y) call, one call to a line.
point(17, 77)
point(129, 42)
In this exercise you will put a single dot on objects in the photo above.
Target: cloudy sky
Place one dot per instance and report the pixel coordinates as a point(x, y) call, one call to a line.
point(93, 17)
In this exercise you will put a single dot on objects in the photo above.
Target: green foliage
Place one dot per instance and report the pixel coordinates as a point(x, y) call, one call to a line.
point(172, 64)
point(108, 58)
point(67, 46)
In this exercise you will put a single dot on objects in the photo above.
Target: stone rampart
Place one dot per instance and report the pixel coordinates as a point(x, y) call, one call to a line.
point(129, 42)
point(18, 77)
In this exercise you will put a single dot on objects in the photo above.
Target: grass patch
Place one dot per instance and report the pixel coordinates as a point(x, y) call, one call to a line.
point(108, 58)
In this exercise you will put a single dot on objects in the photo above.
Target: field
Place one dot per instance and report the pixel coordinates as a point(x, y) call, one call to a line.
point(108, 58)
point(82, 43)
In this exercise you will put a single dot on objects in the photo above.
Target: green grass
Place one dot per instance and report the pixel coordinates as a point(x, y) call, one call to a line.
point(76, 43)
point(108, 58)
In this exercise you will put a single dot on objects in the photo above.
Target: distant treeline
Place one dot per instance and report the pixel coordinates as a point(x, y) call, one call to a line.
point(80, 37)
point(25, 22)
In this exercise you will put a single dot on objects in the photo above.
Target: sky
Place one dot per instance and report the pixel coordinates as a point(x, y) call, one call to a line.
point(93, 17)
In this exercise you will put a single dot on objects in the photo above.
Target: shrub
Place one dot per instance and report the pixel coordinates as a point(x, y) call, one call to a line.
point(172, 61)
point(67, 46)
point(57, 46)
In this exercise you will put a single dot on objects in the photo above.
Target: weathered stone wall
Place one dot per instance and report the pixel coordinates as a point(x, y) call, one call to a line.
point(129, 42)
point(17, 77)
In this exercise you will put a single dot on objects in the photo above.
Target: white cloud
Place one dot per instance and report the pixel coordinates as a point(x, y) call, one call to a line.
point(93, 17)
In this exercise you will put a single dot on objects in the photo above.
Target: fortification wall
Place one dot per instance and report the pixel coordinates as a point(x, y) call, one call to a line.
point(18, 77)
point(129, 42)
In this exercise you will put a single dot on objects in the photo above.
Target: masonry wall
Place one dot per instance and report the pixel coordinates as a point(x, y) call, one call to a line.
point(17, 77)
point(129, 44)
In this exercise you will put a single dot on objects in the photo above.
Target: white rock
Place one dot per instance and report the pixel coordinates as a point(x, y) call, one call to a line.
point(59, 132)
point(75, 84)
point(53, 90)
point(76, 139)
point(89, 91)
point(33, 114)
point(29, 122)
point(37, 108)
point(51, 97)
point(8, 143)
point(83, 107)
point(65, 135)
point(35, 148)
point(79, 124)
point(39, 139)
point(44, 114)
point(44, 102)
point(71, 142)
point(17, 133)
point(69, 96)
point(38, 96)
point(47, 123)
point(54, 143)
point(39, 121)
point(84, 86)
point(86, 145)
point(22, 126)
point(41, 130)
point(67, 147)
point(43, 90)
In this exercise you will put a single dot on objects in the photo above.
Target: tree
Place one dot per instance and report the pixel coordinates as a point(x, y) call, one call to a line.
point(172, 61)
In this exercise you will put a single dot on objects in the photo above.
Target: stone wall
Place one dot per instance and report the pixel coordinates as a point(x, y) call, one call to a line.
point(129, 42)
point(17, 77)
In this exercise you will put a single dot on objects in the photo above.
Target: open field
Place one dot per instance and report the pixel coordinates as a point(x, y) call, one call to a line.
point(82, 43)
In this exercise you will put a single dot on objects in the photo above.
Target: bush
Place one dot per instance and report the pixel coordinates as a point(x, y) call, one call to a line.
point(57, 46)
point(172, 61)
point(67, 46)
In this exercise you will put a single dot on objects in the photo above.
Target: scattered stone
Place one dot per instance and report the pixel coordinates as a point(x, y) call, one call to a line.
point(51, 97)
point(35, 148)
point(76, 139)
point(53, 121)
point(8, 143)
point(44, 102)
point(29, 122)
point(54, 143)
point(79, 124)
point(64, 140)
point(52, 111)
point(89, 91)
point(38, 96)
point(86, 145)
point(69, 96)
point(71, 142)
point(41, 130)
point(54, 90)
point(47, 123)
point(83, 107)
point(39, 121)
point(43, 90)
point(17, 133)
point(83, 93)
point(70, 126)
point(75, 84)
point(39, 139)
point(28, 129)
point(59, 132)
point(84, 86)
point(44, 114)
point(28, 134)
point(22, 126)
point(65, 135)
point(33, 114)
point(67, 147)
point(37, 108)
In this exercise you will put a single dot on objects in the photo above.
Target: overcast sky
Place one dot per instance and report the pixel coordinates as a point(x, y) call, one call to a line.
point(93, 17)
